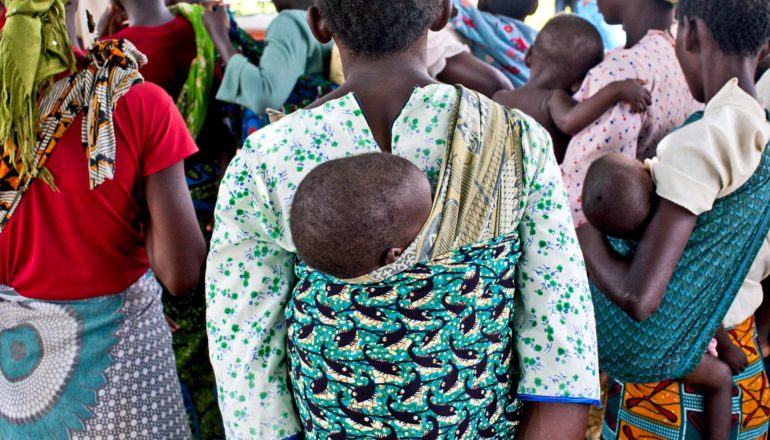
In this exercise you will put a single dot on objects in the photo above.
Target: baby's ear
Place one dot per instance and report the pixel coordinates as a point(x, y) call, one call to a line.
point(391, 255)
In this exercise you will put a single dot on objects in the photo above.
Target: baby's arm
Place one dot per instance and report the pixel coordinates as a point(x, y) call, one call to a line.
point(638, 286)
point(730, 353)
point(571, 117)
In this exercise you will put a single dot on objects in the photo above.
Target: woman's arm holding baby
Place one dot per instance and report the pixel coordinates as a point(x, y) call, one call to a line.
point(638, 286)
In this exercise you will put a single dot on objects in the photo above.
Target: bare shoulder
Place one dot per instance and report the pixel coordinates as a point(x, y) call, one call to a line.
point(508, 98)
point(531, 101)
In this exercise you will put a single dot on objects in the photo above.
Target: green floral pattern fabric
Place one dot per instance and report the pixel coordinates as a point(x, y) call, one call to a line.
point(250, 270)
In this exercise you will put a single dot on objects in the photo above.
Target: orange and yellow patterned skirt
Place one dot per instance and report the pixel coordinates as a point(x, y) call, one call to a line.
point(670, 410)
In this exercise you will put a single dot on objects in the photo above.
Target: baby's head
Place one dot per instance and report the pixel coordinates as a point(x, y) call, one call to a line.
point(518, 9)
point(618, 196)
point(566, 49)
point(351, 216)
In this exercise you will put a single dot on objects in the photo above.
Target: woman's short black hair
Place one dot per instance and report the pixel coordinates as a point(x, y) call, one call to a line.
point(740, 27)
point(375, 28)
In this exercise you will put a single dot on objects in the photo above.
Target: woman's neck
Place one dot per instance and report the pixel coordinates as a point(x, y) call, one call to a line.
point(147, 13)
point(725, 68)
point(383, 86)
point(644, 18)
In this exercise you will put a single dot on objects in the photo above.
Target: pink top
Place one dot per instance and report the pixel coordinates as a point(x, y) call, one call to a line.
point(652, 59)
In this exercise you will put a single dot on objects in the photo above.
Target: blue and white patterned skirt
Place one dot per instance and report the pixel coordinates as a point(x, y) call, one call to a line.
point(94, 368)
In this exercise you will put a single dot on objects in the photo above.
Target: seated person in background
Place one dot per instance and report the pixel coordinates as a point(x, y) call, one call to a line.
point(290, 52)
point(619, 200)
point(450, 61)
point(563, 53)
point(496, 32)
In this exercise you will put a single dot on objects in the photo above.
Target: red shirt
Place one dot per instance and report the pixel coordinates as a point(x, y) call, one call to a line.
point(2, 17)
point(78, 243)
point(170, 49)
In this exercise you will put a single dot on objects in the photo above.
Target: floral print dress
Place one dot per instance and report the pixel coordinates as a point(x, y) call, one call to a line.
point(250, 272)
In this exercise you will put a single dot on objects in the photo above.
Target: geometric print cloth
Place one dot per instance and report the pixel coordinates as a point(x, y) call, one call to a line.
point(672, 410)
point(427, 353)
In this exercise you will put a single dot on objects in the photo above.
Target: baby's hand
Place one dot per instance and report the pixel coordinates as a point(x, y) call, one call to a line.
point(734, 357)
point(632, 92)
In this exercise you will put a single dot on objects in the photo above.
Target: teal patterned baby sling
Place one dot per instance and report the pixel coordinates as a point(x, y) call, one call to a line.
point(426, 353)
point(716, 261)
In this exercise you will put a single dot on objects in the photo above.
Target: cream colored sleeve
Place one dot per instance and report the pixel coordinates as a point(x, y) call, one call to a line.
point(709, 159)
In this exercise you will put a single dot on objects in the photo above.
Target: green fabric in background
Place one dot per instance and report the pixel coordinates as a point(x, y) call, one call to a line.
point(193, 100)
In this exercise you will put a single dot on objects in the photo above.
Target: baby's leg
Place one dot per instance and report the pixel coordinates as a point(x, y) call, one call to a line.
point(715, 377)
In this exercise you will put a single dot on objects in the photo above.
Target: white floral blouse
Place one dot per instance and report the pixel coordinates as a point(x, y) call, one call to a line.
point(250, 267)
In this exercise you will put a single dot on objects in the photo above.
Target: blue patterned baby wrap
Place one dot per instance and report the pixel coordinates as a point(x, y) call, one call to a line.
point(95, 368)
point(426, 353)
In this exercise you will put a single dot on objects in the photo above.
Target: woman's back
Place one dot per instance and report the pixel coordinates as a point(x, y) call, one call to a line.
point(74, 242)
point(170, 48)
